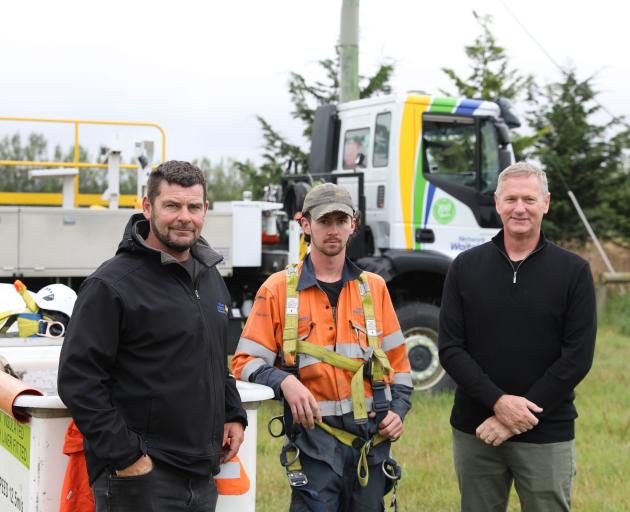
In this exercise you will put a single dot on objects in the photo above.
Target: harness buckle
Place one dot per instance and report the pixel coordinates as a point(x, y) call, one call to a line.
point(292, 369)
point(297, 478)
point(379, 400)
point(367, 369)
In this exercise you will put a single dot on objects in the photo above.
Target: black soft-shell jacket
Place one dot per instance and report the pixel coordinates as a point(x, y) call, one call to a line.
point(143, 366)
point(524, 329)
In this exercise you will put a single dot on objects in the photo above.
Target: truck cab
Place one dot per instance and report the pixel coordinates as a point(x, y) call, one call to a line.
point(423, 170)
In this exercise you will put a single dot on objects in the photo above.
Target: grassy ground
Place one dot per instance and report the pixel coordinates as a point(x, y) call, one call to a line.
point(428, 484)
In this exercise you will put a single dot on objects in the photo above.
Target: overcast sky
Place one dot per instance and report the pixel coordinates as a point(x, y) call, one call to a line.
point(204, 69)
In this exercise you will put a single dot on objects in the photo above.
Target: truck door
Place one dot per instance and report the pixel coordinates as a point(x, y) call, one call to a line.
point(368, 135)
point(461, 165)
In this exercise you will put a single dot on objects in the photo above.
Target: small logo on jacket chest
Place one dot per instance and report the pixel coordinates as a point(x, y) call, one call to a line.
point(222, 308)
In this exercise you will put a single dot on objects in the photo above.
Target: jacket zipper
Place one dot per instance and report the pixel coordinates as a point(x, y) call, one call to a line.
point(515, 270)
point(195, 285)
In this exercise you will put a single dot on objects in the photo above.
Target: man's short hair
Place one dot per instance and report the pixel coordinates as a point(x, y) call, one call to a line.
point(520, 169)
point(181, 173)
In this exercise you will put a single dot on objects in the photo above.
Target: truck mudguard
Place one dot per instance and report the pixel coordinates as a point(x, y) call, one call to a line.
point(396, 262)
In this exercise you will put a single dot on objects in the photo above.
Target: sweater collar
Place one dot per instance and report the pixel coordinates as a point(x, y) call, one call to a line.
point(499, 241)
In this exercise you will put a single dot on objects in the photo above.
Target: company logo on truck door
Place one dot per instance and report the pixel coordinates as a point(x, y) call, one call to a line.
point(416, 193)
point(444, 211)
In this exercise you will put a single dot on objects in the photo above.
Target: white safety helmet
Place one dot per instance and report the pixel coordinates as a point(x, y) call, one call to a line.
point(11, 303)
point(56, 297)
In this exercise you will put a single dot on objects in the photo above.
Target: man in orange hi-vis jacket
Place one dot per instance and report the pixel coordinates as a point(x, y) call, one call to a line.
point(325, 337)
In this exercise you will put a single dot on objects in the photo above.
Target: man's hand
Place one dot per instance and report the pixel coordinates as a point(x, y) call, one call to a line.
point(141, 467)
point(493, 432)
point(302, 402)
point(515, 412)
point(391, 427)
point(233, 435)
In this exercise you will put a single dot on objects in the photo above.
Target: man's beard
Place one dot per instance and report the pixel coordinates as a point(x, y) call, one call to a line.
point(175, 246)
point(331, 251)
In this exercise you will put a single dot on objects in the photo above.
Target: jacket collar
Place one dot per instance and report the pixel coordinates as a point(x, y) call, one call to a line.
point(307, 279)
point(499, 241)
point(134, 239)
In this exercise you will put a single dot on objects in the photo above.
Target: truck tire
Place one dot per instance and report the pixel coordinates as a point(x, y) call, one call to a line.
point(419, 325)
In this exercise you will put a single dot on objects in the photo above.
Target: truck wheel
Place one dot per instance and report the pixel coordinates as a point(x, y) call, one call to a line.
point(419, 325)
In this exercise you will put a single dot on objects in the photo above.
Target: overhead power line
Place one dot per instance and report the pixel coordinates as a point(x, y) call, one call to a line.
point(553, 61)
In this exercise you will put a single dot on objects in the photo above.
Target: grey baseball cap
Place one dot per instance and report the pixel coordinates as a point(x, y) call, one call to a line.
point(327, 198)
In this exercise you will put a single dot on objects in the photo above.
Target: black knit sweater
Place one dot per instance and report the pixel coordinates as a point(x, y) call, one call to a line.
point(523, 329)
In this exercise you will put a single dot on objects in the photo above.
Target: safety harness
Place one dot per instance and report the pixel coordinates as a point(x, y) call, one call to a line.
point(374, 368)
point(31, 322)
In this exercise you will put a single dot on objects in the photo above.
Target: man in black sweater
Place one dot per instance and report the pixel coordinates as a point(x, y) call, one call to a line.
point(517, 334)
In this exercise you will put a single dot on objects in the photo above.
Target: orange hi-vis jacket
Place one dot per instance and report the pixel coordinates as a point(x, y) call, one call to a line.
point(262, 338)
point(76, 493)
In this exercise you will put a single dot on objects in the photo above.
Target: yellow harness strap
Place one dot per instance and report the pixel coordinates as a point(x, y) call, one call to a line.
point(291, 345)
point(345, 363)
point(349, 440)
point(290, 333)
point(381, 364)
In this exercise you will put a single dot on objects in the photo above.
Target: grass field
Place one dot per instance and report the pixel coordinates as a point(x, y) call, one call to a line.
point(424, 451)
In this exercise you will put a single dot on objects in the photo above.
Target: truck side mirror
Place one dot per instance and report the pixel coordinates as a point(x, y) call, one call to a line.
point(503, 133)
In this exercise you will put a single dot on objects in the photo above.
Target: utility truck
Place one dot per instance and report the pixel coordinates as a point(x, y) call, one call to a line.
point(422, 170)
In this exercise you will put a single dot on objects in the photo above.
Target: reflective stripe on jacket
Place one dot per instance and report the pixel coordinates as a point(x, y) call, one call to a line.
point(261, 340)
point(232, 478)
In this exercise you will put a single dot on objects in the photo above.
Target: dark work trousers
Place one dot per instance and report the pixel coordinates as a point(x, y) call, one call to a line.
point(163, 489)
point(341, 493)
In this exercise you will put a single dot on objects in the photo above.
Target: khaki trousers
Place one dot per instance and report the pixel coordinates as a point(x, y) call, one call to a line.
point(542, 474)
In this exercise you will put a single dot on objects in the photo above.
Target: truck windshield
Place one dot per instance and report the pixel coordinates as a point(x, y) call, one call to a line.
point(449, 149)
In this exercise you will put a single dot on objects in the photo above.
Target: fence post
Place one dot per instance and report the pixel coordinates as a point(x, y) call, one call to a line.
point(601, 294)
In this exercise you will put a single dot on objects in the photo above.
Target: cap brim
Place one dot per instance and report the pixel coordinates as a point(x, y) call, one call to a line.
point(319, 211)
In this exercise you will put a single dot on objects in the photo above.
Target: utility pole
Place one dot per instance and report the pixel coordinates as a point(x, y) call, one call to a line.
point(349, 51)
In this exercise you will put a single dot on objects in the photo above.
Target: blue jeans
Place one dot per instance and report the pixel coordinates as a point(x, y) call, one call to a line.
point(163, 489)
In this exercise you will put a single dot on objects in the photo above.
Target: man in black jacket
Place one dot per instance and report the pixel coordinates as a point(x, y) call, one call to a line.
point(143, 367)
point(517, 334)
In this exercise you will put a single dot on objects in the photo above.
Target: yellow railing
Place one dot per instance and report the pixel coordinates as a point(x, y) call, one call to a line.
point(53, 199)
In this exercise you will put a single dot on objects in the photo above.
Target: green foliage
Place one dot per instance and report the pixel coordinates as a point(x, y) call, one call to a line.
point(306, 96)
point(491, 76)
point(35, 149)
point(583, 156)
point(14, 179)
point(617, 312)
point(224, 183)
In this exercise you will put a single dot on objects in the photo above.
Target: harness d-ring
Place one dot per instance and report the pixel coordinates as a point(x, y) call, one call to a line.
point(283, 455)
point(270, 427)
point(391, 469)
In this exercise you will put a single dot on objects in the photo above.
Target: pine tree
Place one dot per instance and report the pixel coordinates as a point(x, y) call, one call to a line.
point(491, 77)
point(583, 156)
point(306, 96)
